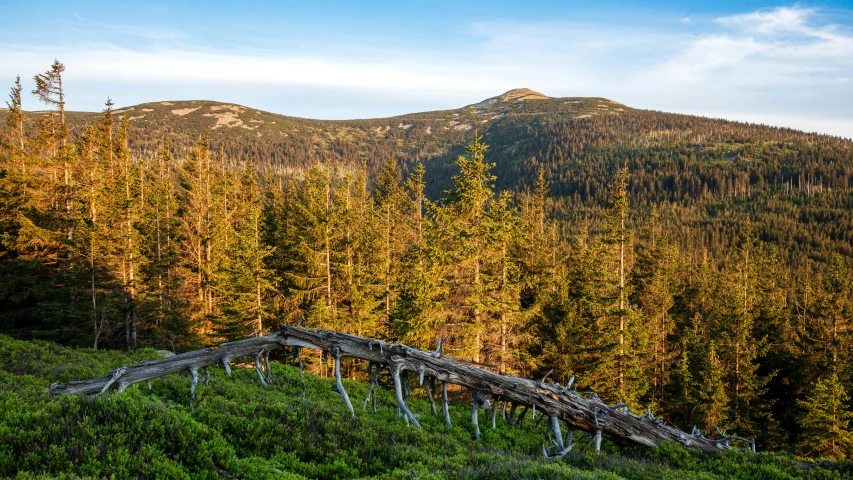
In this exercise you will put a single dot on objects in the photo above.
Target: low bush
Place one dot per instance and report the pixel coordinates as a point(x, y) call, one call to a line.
point(239, 429)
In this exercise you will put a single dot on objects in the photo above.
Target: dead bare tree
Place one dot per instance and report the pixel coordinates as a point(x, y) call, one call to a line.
point(580, 411)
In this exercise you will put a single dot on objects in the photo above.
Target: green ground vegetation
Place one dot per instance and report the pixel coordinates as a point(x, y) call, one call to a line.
point(239, 429)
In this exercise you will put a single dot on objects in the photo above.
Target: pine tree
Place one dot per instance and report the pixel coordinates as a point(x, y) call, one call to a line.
point(503, 283)
point(89, 228)
point(311, 237)
point(45, 224)
point(415, 186)
point(365, 253)
point(630, 337)
point(461, 225)
point(390, 201)
point(15, 140)
point(837, 312)
point(573, 321)
point(195, 211)
point(827, 420)
point(656, 285)
point(164, 304)
point(247, 281)
point(733, 322)
point(420, 310)
point(49, 91)
point(127, 204)
point(13, 161)
point(713, 399)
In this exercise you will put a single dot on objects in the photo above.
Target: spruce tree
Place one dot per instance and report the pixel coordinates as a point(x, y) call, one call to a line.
point(713, 398)
point(195, 211)
point(628, 354)
point(390, 200)
point(827, 420)
point(461, 223)
point(247, 281)
point(15, 140)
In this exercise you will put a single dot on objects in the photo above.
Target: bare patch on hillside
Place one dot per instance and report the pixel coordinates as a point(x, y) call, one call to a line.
point(464, 127)
point(184, 111)
point(166, 103)
point(228, 119)
point(147, 109)
point(404, 127)
point(232, 108)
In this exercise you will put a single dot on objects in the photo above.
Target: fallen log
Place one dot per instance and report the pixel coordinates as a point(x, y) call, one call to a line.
point(579, 410)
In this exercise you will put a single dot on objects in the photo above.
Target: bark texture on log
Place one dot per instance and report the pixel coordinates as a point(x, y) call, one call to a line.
point(581, 412)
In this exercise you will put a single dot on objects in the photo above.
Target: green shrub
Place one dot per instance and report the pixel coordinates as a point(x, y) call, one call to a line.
point(242, 430)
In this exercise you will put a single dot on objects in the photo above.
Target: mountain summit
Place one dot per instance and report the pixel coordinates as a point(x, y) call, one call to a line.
point(514, 95)
point(518, 94)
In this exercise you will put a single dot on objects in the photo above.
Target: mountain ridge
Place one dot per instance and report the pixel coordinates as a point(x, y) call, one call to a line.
point(675, 161)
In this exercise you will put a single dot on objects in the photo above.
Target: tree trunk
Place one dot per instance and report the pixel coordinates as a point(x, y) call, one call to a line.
point(579, 412)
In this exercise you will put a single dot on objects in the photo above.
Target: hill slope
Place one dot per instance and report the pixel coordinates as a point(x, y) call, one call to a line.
point(292, 142)
point(703, 176)
point(238, 429)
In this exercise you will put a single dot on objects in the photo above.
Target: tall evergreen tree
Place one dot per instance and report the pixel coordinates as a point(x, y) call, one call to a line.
point(461, 224)
point(827, 421)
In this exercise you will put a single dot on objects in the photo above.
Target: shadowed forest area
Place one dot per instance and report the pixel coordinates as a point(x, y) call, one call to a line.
point(699, 267)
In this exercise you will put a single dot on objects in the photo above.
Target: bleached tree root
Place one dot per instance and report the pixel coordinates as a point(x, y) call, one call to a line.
point(579, 411)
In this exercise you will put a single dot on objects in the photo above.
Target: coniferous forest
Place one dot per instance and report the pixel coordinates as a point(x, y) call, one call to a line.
point(698, 267)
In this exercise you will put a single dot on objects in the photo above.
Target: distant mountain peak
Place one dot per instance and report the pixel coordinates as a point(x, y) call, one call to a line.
point(514, 95)
point(518, 94)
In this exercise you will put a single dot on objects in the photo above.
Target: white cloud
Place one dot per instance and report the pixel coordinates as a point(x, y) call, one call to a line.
point(766, 48)
point(786, 64)
point(775, 20)
point(107, 62)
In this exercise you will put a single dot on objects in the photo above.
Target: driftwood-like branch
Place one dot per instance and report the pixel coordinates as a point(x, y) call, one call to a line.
point(398, 389)
point(340, 383)
point(445, 405)
point(429, 396)
point(580, 412)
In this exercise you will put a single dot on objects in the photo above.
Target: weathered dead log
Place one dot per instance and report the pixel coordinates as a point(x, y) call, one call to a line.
point(579, 412)
point(428, 391)
point(398, 390)
point(445, 405)
point(340, 383)
point(372, 372)
point(558, 435)
point(476, 401)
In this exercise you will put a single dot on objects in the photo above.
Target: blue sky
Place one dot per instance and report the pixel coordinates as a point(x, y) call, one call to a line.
point(788, 64)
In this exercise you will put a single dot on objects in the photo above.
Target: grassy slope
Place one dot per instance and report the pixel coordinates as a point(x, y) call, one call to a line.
point(242, 430)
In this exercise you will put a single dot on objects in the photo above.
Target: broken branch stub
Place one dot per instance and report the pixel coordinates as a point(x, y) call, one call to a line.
point(588, 414)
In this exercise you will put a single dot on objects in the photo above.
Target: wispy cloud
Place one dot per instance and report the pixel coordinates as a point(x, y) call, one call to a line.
point(772, 21)
point(779, 64)
point(151, 33)
point(775, 47)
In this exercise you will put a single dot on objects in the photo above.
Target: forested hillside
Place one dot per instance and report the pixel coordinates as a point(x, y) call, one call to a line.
point(697, 266)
